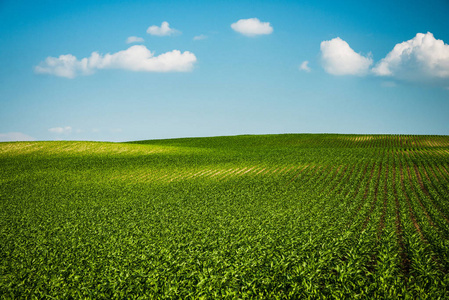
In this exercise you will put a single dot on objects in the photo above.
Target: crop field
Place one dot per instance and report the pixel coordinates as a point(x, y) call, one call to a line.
point(263, 217)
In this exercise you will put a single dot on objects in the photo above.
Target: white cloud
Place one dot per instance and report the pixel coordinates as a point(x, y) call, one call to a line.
point(421, 59)
point(134, 39)
point(15, 137)
point(200, 37)
point(339, 59)
point(64, 66)
point(163, 30)
point(305, 66)
point(135, 58)
point(61, 130)
point(252, 27)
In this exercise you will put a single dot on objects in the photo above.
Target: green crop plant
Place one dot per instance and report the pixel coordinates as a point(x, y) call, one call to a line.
point(254, 217)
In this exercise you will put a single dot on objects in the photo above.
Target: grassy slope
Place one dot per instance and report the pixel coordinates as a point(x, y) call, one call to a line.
point(254, 216)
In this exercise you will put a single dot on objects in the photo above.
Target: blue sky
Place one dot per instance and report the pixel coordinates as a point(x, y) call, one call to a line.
point(226, 68)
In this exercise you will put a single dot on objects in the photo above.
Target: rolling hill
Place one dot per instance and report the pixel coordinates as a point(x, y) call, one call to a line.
point(263, 216)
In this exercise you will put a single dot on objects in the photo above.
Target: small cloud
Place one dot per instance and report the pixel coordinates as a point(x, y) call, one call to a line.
point(136, 58)
point(15, 137)
point(252, 27)
point(163, 30)
point(96, 130)
point(339, 59)
point(421, 59)
point(388, 84)
point(200, 37)
point(305, 66)
point(63, 66)
point(61, 130)
point(134, 39)
point(116, 130)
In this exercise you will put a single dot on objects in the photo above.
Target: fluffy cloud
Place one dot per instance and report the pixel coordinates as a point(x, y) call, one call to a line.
point(15, 137)
point(134, 39)
point(64, 66)
point(200, 37)
point(421, 59)
point(339, 59)
point(135, 58)
point(305, 66)
point(61, 130)
point(163, 30)
point(252, 27)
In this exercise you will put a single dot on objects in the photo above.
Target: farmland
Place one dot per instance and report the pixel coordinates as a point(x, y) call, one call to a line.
point(269, 216)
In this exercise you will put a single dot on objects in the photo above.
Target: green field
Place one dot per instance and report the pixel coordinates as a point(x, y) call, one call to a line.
point(270, 216)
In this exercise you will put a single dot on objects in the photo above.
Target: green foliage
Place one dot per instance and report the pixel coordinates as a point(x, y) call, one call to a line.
point(264, 217)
